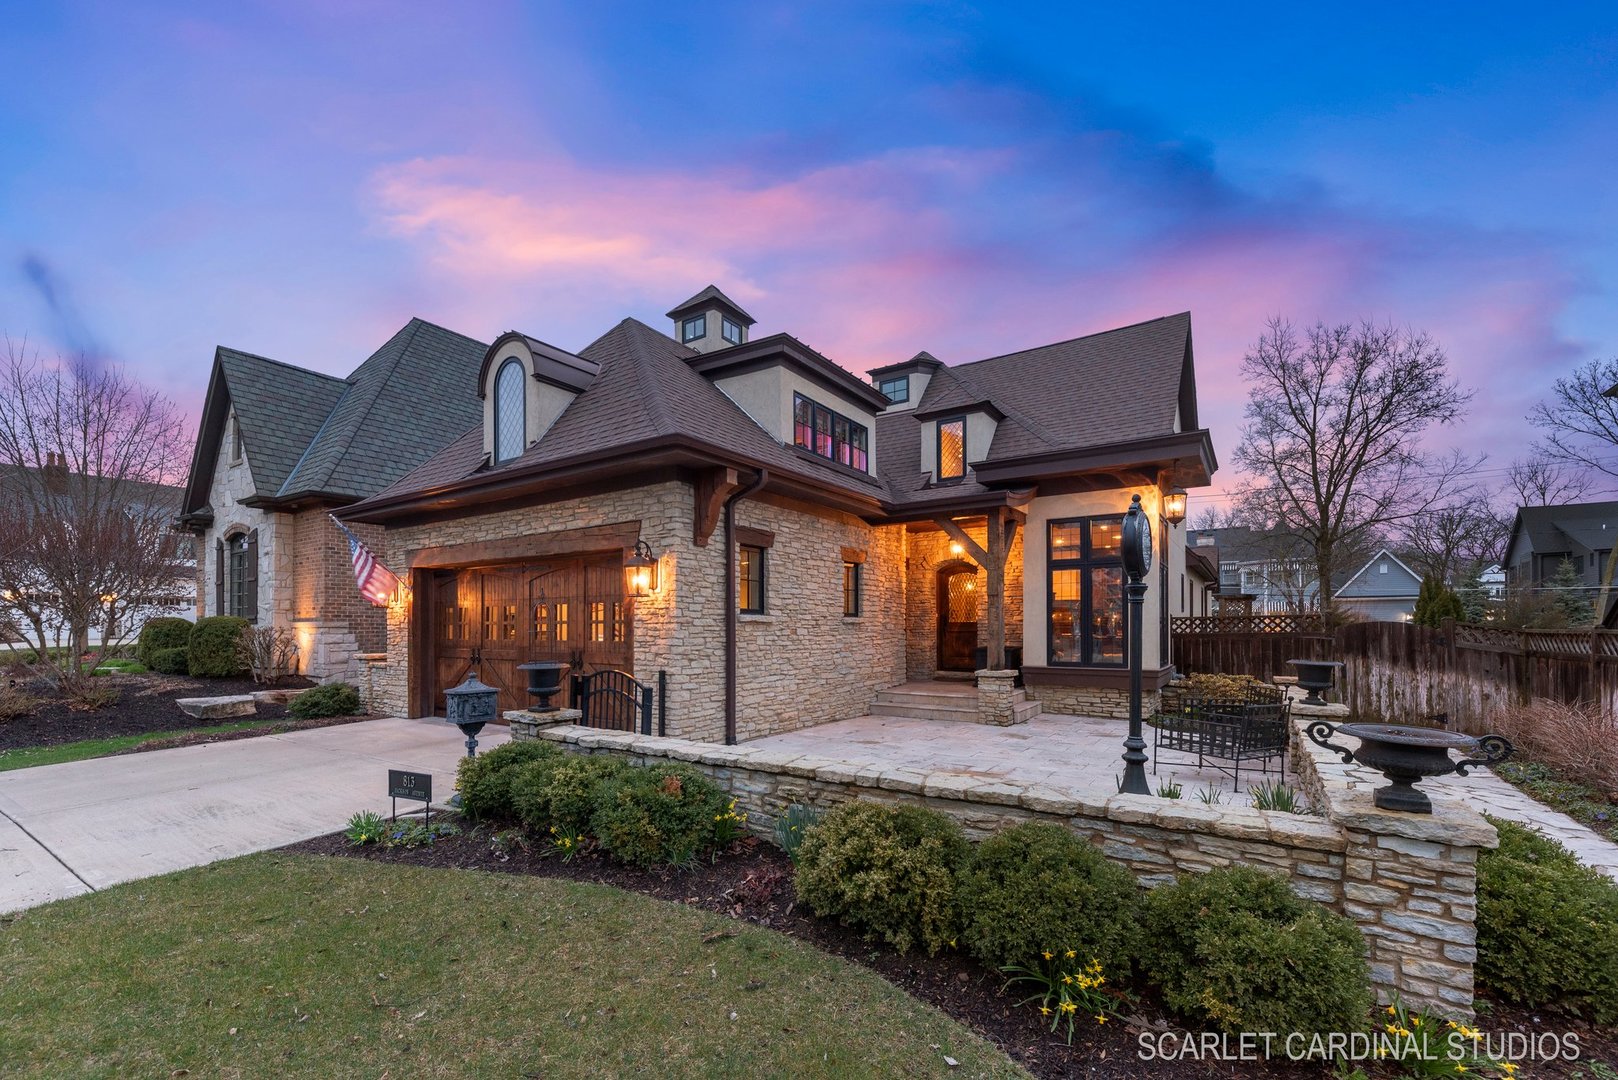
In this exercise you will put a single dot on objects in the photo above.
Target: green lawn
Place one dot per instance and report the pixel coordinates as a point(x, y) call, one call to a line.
point(299, 965)
point(29, 756)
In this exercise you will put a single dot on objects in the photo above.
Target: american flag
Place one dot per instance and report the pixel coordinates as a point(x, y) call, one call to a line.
point(377, 583)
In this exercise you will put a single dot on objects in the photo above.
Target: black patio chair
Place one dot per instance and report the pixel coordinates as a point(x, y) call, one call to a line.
point(1227, 734)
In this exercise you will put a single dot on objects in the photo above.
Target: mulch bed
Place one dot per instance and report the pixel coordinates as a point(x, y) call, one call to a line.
point(145, 704)
point(753, 882)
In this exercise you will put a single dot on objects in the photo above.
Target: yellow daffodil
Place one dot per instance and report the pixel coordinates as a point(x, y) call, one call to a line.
point(1046, 955)
point(1071, 954)
point(1100, 1019)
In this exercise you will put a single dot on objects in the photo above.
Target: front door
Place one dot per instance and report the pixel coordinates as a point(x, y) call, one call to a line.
point(495, 618)
point(957, 618)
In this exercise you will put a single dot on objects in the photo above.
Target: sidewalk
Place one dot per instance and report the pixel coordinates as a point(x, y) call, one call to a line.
point(74, 828)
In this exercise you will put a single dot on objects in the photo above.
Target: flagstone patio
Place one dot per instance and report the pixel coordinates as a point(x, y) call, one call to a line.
point(1069, 751)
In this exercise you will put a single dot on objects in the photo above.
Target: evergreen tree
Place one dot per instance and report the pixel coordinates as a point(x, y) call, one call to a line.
point(1474, 599)
point(1571, 595)
point(1436, 602)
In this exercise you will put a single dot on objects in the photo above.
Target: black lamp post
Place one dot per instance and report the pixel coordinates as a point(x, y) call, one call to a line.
point(1137, 554)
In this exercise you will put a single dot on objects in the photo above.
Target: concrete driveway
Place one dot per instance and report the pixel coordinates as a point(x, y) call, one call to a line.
point(75, 828)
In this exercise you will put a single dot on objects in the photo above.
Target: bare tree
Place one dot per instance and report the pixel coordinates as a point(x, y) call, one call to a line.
point(1452, 539)
point(1580, 421)
point(84, 516)
point(1332, 443)
point(1541, 481)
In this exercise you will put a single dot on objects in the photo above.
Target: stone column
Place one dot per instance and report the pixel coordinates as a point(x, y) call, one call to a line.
point(997, 697)
point(525, 723)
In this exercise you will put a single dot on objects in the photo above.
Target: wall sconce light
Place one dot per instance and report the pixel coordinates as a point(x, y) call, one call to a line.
point(640, 571)
point(956, 549)
point(1174, 505)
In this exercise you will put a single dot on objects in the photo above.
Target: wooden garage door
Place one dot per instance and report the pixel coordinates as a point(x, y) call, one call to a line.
point(572, 610)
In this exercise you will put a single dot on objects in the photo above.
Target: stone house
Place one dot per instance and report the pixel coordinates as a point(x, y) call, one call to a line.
point(280, 446)
point(818, 539)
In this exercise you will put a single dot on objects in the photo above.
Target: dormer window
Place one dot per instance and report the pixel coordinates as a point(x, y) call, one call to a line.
point(510, 421)
point(952, 448)
point(694, 329)
point(731, 330)
point(829, 435)
point(896, 389)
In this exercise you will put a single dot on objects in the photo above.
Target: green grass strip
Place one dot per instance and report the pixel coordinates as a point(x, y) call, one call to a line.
point(299, 965)
point(30, 756)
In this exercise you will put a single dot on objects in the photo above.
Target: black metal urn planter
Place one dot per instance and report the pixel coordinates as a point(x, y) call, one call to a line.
point(1315, 676)
point(544, 681)
point(1407, 755)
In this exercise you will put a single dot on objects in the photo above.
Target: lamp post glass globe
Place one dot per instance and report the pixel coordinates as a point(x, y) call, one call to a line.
point(1137, 557)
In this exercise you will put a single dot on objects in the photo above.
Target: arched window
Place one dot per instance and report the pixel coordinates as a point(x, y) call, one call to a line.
point(509, 421)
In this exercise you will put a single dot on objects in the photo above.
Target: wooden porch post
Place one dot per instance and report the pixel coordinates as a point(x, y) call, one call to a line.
point(1001, 530)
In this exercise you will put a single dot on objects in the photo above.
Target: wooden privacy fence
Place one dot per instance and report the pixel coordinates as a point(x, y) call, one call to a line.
point(1403, 672)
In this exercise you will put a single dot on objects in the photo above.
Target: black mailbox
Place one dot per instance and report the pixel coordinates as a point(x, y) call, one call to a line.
point(469, 706)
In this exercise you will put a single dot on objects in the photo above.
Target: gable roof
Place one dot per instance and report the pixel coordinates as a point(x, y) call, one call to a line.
point(1575, 528)
point(396, 410)
point(305, 433)
point(280, 409)
point(646, 393)
point(1134, 379)
point(1398, 585)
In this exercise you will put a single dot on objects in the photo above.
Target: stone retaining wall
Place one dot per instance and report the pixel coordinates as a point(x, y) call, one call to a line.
point(1408, 881)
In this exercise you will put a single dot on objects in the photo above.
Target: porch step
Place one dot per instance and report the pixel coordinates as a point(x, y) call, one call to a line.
point(969, 713)
point(944, 701)
point(1024, 711)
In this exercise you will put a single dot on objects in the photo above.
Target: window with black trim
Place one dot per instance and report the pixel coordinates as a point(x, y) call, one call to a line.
point(694, 328)
point(235, 442)
point(731, 330)
point(236, 575)
point(896, 389)
point(830, 435)
point(851, 589)
point(1085, 594)
point(750, 579)
point(952, 448)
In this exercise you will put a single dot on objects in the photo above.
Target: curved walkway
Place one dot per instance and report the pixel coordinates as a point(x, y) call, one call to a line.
point(79, 827)
point(1486, 793)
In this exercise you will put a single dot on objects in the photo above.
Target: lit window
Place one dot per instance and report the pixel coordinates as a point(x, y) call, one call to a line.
point(1086, 613)
point(731, 331)
point(509, 422)
point(694, 328)
point(750, 580)
point(896, 389)
point(851, 589)
point(952, 449)
point(830, 435)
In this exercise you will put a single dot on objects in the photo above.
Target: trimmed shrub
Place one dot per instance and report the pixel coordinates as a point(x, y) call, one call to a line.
point(1547, 927)
point(485, 781)
point(1237, 949)
point(1037, 888)
point(565, 799)
point(214, 648)
point(886, 870)
point(174, 661)
point(662, 815)
point(157, 634)
point(327, 699)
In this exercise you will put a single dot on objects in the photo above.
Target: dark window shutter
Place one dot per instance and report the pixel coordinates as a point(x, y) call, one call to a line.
point(250, 578)
point(219, 576)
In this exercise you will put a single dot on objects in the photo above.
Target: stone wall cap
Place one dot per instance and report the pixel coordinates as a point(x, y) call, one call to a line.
point(1449, 823)
point(997, 673)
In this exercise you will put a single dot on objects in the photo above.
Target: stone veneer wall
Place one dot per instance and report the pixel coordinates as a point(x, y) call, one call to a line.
point(1091, 700)
point(928, 550)
point(1408, 881)
point(800, 663)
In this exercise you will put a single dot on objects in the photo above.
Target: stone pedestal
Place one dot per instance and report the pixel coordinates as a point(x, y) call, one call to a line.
point(526, 723)
point(997, 697)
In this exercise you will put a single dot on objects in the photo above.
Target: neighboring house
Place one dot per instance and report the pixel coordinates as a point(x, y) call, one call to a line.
point(1492, 578)
point(1543, 536)
point(1262, 571)
point(1199, 585)
point(80, 494)
point(281, 446)
point(1385, 589)
point(817, 538)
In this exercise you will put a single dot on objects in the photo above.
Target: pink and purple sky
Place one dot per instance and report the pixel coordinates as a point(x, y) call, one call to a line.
point(298, 179)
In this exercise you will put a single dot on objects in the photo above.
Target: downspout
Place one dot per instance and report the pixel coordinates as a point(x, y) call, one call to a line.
point(730, 601)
